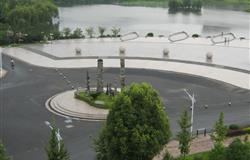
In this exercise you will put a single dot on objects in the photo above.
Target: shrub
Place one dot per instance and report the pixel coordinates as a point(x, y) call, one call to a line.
point(237, 132)
point(150, 34)
point(217, 153)
point(238, 150)
point(234, 127)
point(195, 35)
point(247, 130)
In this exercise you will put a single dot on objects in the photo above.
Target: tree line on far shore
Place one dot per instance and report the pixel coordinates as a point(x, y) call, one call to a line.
point(185, 5)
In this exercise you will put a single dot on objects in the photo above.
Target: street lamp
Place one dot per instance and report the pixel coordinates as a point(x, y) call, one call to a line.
point(192, 108)
point(58, 136)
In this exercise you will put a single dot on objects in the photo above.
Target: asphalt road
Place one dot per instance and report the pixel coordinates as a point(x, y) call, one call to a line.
point(23, 93)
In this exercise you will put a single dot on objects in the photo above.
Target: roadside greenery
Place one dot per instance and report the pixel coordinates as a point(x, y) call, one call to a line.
point(3, 154)
point(55, 149)
point(137, 126)
point(220, 130)
point(184, 136)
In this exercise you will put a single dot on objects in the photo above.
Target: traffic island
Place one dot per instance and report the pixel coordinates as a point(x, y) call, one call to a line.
point(65, 104)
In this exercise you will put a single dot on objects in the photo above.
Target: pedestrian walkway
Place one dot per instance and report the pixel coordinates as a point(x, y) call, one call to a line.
point(199, 144)
point(231, 64)
point(233, 77)
point(64, 104)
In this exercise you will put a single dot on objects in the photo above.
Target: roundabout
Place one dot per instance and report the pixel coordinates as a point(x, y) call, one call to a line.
point(66, 105)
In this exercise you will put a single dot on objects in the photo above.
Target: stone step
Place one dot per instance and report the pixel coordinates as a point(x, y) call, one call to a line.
point(57, 107)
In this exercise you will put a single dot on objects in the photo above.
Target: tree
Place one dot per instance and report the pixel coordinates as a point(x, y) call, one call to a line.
point(77, 33)
point(3, 155)
point(187, 4)
point(136, 128)
point(55, 149)
point(66, 32)
point(196, 5)
point(217, 153)
point(90, 31)
point(220, 130)
point(115, 31)
point(35, 19)
point(184, 136)
point(238, 150)
point(101, 31)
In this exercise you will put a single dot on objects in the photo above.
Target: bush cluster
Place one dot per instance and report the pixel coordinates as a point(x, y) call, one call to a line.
point(236, 130)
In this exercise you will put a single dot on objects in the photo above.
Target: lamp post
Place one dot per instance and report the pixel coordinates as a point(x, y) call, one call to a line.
point(58, 136)
point(192, 108)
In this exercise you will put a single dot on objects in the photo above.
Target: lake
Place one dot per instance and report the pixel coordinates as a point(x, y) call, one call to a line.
point(156, 20)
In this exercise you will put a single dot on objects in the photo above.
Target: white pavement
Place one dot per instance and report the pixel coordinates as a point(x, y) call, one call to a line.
point(233, 77)
point(64, 104)
point(235, 55)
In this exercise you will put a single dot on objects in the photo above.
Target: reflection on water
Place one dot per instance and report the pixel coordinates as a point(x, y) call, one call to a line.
point(157, 20)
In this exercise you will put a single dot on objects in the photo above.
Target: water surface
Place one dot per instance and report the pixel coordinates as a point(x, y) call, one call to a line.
point(157, 20)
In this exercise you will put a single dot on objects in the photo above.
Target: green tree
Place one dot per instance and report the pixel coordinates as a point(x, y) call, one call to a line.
point(238, 150)
point(32, 18)
point(77, 33)
point(101, 31)
point(186, 3)
point(90, 32)
point(220, 130)
point(136, 128)
point(184, 136)
point(3, 155)
point(66, 32)
point(217, 153)
point(196, 5)
point(55, 149)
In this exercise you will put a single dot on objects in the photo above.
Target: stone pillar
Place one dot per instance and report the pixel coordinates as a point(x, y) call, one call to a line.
point(99, 88)
point(122, 66)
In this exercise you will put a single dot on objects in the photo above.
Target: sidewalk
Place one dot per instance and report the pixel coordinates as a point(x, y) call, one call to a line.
point(199, 144)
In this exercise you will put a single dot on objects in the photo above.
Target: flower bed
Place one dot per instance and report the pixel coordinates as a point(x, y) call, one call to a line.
point(99, 100)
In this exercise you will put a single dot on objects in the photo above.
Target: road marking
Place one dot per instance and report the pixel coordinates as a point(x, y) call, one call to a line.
point(68, 121)
point(69, 126)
